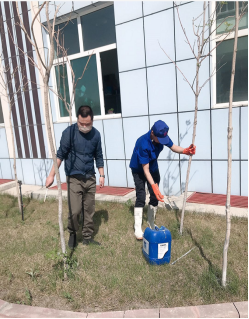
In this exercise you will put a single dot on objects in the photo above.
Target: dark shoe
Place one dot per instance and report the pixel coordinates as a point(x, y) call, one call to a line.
point(90, 241)
point(72, 241)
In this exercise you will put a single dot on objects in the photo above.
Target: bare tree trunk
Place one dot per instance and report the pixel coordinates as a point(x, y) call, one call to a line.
point(200, 43)
point(46, 92)
point(229, 150)
point(193, 142)
point(14, 157)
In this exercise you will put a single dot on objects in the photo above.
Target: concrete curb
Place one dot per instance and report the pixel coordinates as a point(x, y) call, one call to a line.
point(224, 310)
point(5, 186)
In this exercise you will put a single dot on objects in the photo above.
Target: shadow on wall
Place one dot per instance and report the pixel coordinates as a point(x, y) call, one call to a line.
point(42, 170)
point(172, 173)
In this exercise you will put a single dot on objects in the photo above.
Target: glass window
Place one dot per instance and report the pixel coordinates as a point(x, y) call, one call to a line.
point(87, 89)
point(98, 28)
point(110, 77)
point(224, 54)
point(227, 9)
point(68, 33)
point(1, 113)
point(62, 87)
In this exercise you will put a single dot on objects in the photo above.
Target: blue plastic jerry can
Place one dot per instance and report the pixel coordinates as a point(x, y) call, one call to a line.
point(157, 245)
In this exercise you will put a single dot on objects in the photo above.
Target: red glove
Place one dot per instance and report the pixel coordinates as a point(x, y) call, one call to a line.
point(156, 191)
point(189, 150)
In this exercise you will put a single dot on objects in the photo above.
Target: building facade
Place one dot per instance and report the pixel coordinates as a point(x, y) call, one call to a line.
point(130, 83)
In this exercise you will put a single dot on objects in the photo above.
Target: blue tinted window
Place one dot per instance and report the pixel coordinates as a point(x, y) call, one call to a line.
point(68, 33)
point(98, 28)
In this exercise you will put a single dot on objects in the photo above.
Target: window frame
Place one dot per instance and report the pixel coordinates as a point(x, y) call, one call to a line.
point(241, 33)
point(81, 54)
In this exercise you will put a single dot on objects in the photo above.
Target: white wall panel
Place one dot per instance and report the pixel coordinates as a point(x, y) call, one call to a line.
point(127, 10)
point(170, 178)
point(114, 139)
point(117, 173)
point(200, 176)
point(62, 172)
point(58, 129)
point(6, 169)
point(28, 172)
point(39, 171)
point(99, 126)
point(159, 29)
point(186, 97)
point(155, 6)
point(187, 13)
point(220, 178)
point(45, 140)
point(203, 137)
point(130, 45)
point(129, 175)
point(19, 170)
point(171, 121)
point(162, 89)
point(244, 133)
point(4, 153)
point(219, 133)
point(244, 178)
point(133, 93)
point(133, 129)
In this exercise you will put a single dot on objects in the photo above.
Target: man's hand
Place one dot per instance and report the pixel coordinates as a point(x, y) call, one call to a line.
point(156, 191)
point(49, 181)
point(101, 182)
point(189, 150)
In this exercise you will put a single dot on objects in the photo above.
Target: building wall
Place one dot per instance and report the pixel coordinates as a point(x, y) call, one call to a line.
point(151, 89)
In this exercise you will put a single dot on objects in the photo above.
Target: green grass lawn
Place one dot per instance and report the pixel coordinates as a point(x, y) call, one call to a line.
point(115, 276)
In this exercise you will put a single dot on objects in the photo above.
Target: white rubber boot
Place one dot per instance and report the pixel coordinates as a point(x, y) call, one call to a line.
point(138, 217)
point(151, 215)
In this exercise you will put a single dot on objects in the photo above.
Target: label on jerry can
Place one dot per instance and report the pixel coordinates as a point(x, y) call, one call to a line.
point(146, 246)
point(162, 249)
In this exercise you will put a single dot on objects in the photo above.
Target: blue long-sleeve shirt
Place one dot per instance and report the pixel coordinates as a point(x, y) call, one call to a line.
point(79, 150)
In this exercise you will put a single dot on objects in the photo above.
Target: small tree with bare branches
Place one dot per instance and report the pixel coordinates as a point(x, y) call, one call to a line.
point(203, 34)
point(7, 75)
point(229, 149)
point(44, 67)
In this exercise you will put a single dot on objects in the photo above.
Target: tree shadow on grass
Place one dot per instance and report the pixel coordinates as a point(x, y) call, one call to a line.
point(212, 268)
point(100, 216)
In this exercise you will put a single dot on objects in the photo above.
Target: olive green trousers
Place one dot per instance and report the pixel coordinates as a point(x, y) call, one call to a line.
point(81, 198)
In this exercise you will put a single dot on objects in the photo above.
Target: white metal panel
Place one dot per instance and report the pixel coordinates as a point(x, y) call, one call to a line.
point(155, 6)
point(219, 133)
point(186, 97)
point(162, 89)
point(127, 10)
point(220, 177)
point(28, 172)
point(170, 178)
point(244, 132)
point(134, 127)
point(130, 45)
point(159, 29)
point(114, 139)
point(244, 178)
point(133, 93)
point(200, 176)
point(187, 12)
point(117, 173)
point(203, 137)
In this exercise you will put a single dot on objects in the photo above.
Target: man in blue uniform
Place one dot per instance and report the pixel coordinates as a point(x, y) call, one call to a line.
point(80, 145)
point(144, 168)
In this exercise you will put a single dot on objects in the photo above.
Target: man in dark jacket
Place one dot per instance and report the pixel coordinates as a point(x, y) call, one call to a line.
point(80, 144)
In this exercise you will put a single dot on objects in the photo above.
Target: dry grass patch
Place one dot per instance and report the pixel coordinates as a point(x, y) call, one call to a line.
point(115, 276)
